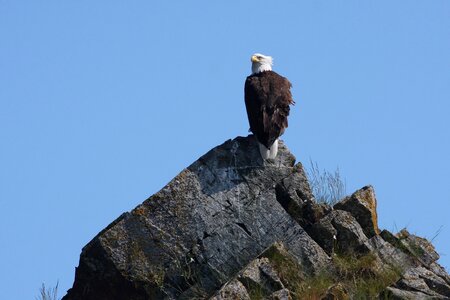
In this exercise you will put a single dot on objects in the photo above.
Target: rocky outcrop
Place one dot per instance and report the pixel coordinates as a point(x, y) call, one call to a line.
point(201, 229)
point(363, 205)
point(231, 226)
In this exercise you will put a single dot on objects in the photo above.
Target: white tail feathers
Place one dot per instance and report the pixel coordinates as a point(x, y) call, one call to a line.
point(269, 153)
point(265, 153)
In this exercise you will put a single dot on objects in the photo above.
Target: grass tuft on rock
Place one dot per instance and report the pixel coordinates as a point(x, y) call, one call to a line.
point(361, 276)
point(327, 187)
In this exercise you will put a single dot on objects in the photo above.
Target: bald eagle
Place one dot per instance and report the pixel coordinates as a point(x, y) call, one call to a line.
point(267, 99)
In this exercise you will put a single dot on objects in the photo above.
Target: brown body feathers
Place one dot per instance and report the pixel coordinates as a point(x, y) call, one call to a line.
point(267, 99)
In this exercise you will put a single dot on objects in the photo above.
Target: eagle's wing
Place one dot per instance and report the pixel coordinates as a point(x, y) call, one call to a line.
point(253, 104)
point(267, 99)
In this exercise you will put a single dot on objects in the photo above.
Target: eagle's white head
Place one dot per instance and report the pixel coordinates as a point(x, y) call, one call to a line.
point(261, 63)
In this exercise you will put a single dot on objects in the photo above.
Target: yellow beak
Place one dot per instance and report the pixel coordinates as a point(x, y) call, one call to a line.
point(254, 58)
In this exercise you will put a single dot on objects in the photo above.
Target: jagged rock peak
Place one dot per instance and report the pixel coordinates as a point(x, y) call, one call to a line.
point(201, 229)
point(232, 226)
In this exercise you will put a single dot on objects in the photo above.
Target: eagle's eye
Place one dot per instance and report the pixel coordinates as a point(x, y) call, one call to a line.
point(259, 57)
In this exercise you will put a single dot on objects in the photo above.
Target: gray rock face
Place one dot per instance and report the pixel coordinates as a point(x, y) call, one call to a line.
point(282, 294)
point(232, 290)
point(231, 226)
point(340, 231)
point(363, 206)
point(421, 272)
point(261, 279)
point(397, 294)
point(200, 230)
point(260, 274)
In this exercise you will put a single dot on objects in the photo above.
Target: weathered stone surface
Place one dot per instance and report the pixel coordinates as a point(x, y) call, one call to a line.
point(389, 254)
point(260, 279)
point(350, 235)
point(280, 259)
point(425, 281)
point(198, 231)
point(440, 271)
point(435, 282)
point(272, 280)
point(339, 229)
point(260, 275)
point(294, 194)
point(398, 294)
point(233, 290)
point(414, 256)
point(251, 276)
point(231, 226)
point(324, 234)
point(363, 206)
point(393, 240)
point(282, 294)
point(419, 247)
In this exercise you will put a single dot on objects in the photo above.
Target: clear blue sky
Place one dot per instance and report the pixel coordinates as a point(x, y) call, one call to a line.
point(103, 102)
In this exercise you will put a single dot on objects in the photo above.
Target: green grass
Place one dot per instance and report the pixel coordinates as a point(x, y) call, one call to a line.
point(313, 287)
point(289, 271)
point(256, 293)
point(292, 276)
point(361, 276)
